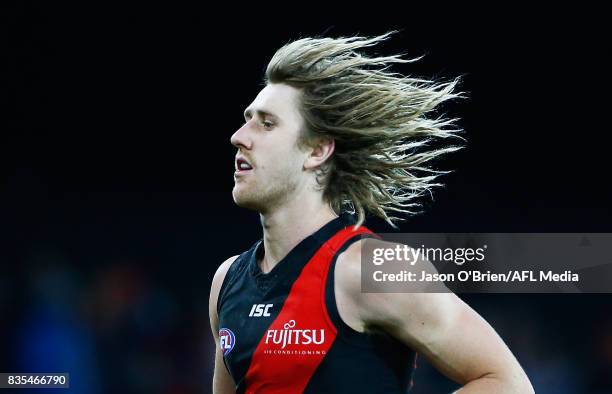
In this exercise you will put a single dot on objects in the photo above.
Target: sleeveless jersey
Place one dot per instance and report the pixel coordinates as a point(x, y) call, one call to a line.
point(280, 332)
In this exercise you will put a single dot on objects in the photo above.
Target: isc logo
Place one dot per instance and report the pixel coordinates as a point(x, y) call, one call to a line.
point(259, 310)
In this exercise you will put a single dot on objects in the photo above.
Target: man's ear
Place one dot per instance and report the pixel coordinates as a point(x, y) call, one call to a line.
point(321, 151)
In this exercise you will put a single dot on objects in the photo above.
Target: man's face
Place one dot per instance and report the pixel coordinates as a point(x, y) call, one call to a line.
point(269, 164)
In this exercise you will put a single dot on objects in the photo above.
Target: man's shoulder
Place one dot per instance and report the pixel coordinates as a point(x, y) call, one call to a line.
point(223, 268)
point(349, 263)
point(219, 277)
point(215, 288)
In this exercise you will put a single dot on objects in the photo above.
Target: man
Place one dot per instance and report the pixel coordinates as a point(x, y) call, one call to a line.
point(333, 132)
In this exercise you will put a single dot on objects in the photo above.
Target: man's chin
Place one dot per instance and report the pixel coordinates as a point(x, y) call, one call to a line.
point(245, 200)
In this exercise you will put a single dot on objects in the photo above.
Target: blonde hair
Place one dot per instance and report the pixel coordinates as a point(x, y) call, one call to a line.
point(377, 118)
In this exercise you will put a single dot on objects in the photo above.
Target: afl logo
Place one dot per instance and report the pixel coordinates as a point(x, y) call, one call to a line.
point(227, 340)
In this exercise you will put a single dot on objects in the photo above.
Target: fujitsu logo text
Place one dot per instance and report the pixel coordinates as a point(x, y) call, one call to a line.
point(290, 336)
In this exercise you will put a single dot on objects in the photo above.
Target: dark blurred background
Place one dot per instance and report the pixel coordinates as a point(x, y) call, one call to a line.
point(116, 182)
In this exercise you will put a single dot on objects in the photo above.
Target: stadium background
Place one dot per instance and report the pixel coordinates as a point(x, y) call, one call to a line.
point(116, 204)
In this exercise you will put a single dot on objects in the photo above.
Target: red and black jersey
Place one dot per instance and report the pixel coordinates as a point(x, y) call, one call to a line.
point(280, 332)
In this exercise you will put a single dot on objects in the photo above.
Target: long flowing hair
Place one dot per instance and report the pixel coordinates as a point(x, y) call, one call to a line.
point(380, 121)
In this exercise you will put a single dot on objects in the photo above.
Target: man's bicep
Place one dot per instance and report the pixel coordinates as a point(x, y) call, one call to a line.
point(222, 380)
point(450, 334)
point(437, 324)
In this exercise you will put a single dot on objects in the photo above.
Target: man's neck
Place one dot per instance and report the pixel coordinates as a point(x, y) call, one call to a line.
point(287, 226)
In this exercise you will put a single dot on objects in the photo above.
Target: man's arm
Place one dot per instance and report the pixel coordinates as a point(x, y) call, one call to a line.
point(222, 381)
point(440, 326)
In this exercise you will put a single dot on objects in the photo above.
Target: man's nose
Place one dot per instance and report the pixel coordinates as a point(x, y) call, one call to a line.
point(241, 138)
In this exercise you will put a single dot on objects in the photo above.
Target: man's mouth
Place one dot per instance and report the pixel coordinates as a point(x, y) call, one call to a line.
point(242, 165)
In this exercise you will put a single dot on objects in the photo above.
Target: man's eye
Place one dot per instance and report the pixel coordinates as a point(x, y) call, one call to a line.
point(267, 124)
